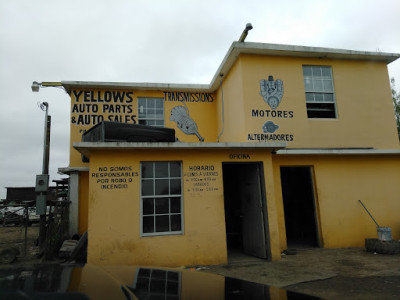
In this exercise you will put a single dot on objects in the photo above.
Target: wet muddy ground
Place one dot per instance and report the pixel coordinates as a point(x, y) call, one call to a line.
point(350, 273)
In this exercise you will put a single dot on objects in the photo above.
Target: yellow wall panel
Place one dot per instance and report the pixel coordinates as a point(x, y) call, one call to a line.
point(341, 181)
point(83, 201)
point(114, 211)
point(90, 107)
point(363, 103)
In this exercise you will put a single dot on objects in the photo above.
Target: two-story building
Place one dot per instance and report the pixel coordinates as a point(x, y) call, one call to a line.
point(273, 154)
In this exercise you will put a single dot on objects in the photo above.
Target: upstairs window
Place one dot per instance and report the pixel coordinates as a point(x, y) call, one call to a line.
point(320, 95)
point(151, 111)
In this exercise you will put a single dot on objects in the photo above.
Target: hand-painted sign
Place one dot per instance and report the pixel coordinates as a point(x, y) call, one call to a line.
point(93, 107)
point(272, 92)
point(201, 179)
point(239, 156)
point(188, 97)
point(180, 115)
point(270, 127)
point(114, 177)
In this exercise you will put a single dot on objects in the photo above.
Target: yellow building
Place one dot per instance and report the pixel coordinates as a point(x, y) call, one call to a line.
point(273, 154)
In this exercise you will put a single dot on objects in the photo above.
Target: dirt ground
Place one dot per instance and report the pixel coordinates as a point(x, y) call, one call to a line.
point(14, 237)
point(350, 273)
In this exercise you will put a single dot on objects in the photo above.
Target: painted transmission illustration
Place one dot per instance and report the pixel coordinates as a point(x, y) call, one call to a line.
point(180, 115)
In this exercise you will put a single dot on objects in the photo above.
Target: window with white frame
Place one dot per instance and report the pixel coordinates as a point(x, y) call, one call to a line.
point(156, 284)
point(151, 111)
point(320, 95)
point(161, 198)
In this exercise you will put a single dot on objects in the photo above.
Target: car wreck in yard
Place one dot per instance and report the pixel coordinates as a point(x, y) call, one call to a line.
point(18, 215)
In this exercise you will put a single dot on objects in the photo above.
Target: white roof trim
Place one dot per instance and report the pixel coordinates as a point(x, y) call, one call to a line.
point(338, 152)
point(86, 147)
point(230, 58)
point(175, 145)
point(69, 170)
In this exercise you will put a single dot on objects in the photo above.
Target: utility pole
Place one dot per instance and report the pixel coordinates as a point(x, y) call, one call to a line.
point(42, 181)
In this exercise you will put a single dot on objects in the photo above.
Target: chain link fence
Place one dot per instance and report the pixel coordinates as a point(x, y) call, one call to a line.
point(20, 228)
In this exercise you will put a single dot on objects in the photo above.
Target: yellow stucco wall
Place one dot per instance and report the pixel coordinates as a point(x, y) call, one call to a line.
point(340, 181)
point(365, 116)
point(105, 282)
point(365, 119)
point(363, 102)
point(109, 282)
point(114, 214)
point(91, 106)
point(233, 105)
point(83, 201)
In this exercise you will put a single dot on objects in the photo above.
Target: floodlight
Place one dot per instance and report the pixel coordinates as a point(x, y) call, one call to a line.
point(35, 86)
point(245, 32)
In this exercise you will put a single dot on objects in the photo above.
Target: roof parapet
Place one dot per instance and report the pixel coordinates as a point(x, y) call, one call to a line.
point(236, 49)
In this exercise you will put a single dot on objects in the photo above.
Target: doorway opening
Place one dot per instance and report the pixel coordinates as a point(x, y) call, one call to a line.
point(245, 210)
point(299, 204)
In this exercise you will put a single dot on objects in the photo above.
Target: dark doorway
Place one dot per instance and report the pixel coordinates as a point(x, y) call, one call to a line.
point(244, 198)
point(299, 207)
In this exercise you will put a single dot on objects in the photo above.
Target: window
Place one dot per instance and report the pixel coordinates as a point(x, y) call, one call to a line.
point(156, 284)
point(320, 96)
point(151, 111)
point(161, 198)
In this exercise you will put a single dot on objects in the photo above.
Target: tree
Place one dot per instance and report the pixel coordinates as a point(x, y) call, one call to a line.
point(396, 103)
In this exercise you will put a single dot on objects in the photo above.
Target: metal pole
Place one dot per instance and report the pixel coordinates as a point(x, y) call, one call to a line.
point(45, 171)
point(369, 214)
point(26, 228)
point(46, 142)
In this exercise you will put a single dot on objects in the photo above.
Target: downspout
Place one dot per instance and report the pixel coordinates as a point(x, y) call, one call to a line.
point(222, 104)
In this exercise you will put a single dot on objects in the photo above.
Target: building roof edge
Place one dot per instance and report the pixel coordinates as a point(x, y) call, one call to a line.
point(234, 51)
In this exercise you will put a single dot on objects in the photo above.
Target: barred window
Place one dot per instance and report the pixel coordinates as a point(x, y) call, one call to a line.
point(161, 198)
point(151, 111)
point(320, 96)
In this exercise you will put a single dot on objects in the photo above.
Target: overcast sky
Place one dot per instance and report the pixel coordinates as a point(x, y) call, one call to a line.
point(174, 41)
